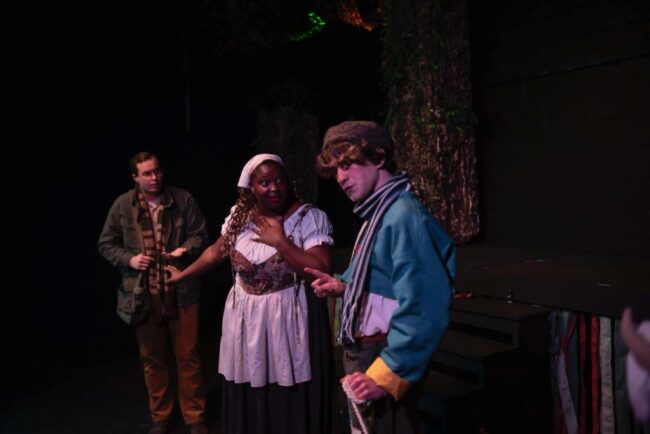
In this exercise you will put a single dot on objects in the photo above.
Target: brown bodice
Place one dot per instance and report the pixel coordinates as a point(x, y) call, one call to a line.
point(271, 275)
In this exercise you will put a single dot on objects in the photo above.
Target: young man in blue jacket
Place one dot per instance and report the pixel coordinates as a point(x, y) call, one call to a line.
point(398, 286)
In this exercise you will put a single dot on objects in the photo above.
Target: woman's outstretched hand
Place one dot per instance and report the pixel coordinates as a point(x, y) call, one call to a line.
point(172, 274)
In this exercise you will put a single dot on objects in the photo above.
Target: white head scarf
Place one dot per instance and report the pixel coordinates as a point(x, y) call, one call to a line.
point(249, 168)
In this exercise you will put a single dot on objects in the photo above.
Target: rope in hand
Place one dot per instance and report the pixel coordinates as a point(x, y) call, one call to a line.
point(354, 403)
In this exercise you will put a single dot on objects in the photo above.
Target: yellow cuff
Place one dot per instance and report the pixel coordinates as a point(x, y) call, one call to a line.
point(387, 379)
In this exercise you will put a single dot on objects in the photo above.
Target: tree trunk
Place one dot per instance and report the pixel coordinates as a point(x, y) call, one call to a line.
point(426, 71)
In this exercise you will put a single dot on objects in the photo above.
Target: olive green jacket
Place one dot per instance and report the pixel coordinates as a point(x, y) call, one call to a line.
point(184, 226)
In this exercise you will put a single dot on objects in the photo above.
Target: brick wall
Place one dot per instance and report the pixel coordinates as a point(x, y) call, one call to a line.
point(562, 97)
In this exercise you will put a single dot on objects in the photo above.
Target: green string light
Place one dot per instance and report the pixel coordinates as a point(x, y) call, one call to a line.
point(317, 24)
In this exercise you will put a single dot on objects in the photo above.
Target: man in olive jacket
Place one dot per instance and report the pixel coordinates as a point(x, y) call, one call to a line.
point(146, 228)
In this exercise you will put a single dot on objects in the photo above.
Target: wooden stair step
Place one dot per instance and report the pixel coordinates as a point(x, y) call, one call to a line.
point(442, 391)
point(468, 357)
point(447, 387)
point(511, 323)
point(471, 347)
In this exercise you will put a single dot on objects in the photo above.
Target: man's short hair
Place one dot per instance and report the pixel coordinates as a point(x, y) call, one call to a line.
point(139, 158)
point(356, 141)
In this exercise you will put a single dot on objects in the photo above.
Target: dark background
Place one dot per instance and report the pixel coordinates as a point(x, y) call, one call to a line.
point(561, 98)
point(103, 83)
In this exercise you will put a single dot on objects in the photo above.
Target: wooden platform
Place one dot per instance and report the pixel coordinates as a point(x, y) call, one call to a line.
point(597, 284)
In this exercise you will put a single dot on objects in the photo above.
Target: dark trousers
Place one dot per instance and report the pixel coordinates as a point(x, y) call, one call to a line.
point(385, 415)
point(153, 341)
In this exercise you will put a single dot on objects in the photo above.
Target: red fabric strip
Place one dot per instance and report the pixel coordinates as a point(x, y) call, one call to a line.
point(595, 374)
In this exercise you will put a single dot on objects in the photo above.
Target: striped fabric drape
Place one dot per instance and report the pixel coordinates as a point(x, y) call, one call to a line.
point(588, 370)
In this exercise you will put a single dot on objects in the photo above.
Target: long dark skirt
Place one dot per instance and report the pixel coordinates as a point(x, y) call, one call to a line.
point(306, 408)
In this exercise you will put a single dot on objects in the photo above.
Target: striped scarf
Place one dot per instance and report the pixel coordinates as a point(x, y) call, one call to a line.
point(162, 295)
point(371, 209)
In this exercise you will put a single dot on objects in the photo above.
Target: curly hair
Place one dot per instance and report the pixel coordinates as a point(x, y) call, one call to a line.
point(242, 215)
point(350, 151)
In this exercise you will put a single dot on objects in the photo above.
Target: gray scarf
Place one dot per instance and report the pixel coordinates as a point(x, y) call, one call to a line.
point(371, 209)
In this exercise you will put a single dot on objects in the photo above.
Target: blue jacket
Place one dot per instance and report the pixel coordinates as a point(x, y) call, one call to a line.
point(413, 261)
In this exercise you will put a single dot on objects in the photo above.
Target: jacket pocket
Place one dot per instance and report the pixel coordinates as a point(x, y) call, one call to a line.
point(133, 303)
